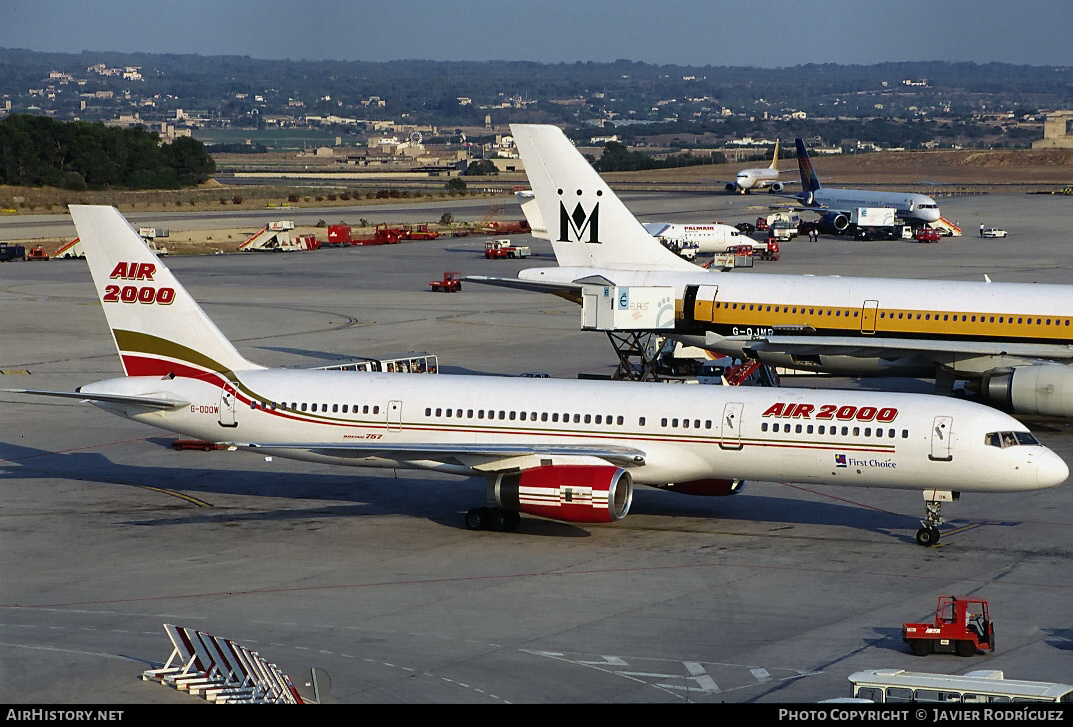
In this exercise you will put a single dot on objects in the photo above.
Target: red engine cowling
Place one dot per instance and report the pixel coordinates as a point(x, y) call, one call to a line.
point(574, 493)
point(707, 488)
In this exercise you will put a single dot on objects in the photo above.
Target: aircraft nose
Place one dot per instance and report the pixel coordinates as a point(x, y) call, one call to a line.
point(1051, 470)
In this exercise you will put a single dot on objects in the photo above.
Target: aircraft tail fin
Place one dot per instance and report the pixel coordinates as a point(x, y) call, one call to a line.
point(158, 328)
point(587, 223)
point(775, 157)
point(809, 181)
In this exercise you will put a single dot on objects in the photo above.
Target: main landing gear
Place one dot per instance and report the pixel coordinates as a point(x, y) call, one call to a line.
point(499, 519)
point(933, 500)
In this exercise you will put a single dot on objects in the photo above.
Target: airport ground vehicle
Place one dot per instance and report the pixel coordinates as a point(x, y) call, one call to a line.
point(37, 253)
point(984, 686)
point(992, 232)
point(500, 249)
point(204, 445)
point(926, 234)
point(11, 252)
point(451, 283)
point(961, 625)
point(418, 232)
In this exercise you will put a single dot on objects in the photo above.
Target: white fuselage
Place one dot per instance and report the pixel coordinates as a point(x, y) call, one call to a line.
point(709, 238)
point(1037, 317)
point(686, 433)
point(749, 179)
point(908, 205)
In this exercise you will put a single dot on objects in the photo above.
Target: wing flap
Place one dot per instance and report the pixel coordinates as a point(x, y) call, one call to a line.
point(453, 452)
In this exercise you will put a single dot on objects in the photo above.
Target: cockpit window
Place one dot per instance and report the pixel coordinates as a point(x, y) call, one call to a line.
point(1009, 439)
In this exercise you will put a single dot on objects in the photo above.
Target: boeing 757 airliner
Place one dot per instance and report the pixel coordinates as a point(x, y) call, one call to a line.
point(569, 450)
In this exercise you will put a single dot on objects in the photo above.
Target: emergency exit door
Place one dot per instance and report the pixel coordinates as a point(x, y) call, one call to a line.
point(868, 316)
point(941, 439)
point(730, 426)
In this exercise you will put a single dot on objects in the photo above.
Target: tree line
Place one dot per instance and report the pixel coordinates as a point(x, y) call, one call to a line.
point(39, 151)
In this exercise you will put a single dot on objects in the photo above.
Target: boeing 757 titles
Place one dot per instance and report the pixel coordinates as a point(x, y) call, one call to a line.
point(1011, 342)
point(569, 450)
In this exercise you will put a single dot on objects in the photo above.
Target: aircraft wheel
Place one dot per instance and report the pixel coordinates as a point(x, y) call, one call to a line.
point(505, 521)
point(966, 648)
point(479, 518)
point(927, 536)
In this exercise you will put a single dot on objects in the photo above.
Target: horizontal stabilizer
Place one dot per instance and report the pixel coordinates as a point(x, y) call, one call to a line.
point(148, 402)
point(536, 286)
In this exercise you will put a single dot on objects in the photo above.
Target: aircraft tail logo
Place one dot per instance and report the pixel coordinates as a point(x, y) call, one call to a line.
point(595, 229)
point(775, 157)
point(574, 225)
point(809, 181)
point(158, 328)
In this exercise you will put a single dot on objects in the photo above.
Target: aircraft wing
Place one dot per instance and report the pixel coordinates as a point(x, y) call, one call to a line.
point(489, 457)
point(861, 347)
point(147, 401)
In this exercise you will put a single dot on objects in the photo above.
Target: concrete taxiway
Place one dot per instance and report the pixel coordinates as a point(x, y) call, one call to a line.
point(774, 595)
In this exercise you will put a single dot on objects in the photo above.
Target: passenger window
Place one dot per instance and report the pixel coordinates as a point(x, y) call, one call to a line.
point(640, 421)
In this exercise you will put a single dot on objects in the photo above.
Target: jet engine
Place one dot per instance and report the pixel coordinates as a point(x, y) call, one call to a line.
point(574, 493)
point(835, 221)
point(1037, 389)
point(731, 187)
point(776, 187)
point(707, 488)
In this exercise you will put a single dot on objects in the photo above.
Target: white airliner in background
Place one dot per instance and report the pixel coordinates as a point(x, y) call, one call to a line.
point(713, 237)
point(569, 450)
point(836, 206)
point(1011, 342)
point(747, 180)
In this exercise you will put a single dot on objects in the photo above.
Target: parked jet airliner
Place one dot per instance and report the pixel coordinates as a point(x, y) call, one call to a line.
point(570, 450)
point(836, 205)
point(1012, 342)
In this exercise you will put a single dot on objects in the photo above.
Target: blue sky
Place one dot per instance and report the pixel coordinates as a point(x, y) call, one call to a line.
point(769, 33)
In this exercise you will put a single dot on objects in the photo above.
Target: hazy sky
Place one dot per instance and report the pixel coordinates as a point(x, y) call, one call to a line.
point(742, 32)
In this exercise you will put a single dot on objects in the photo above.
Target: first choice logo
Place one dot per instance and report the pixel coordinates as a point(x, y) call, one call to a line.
point(136, 294)
point(828, 412)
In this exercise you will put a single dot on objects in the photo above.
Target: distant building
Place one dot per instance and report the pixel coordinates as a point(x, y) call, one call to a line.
point(1056, 131)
